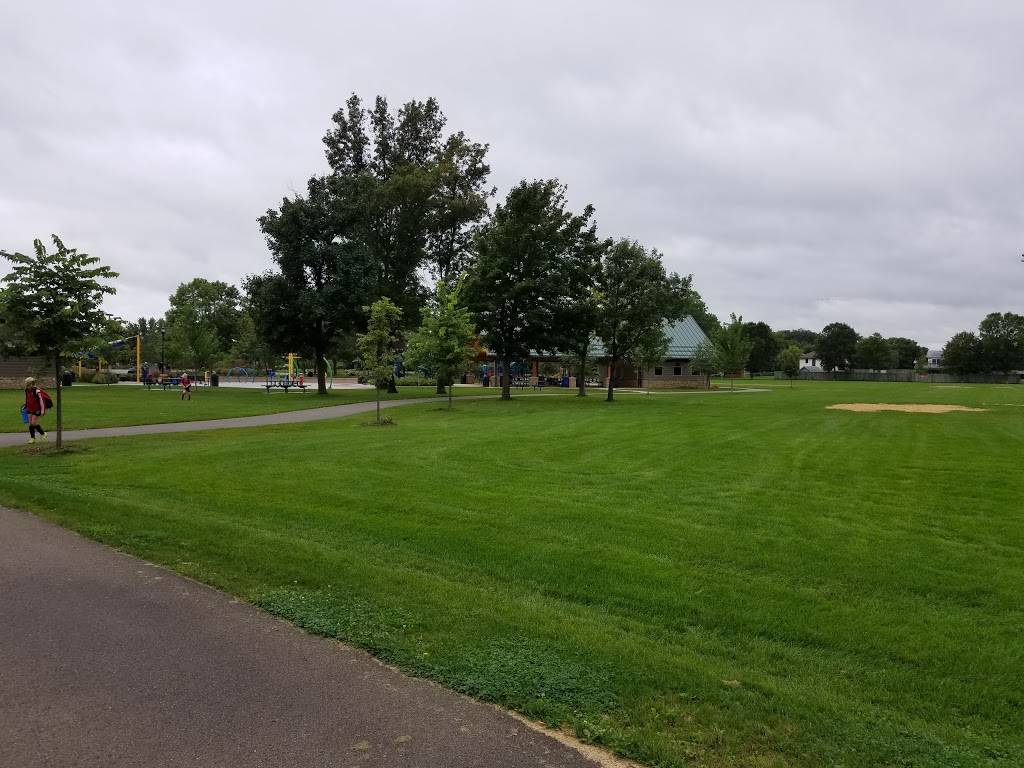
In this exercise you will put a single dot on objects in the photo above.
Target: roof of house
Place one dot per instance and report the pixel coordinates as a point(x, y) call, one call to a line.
point(684, 336)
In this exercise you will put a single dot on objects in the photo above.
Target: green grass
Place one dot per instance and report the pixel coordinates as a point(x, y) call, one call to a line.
point(691, 579)
point(87, 407)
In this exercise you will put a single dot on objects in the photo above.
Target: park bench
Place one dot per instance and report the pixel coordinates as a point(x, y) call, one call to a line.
point(284, 384)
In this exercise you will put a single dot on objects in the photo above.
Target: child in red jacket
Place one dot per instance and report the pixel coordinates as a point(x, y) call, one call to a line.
point(35, 405)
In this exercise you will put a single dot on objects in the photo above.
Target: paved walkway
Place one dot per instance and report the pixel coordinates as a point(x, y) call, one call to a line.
point(108, 662)
point(291, 417)
point(285, 417)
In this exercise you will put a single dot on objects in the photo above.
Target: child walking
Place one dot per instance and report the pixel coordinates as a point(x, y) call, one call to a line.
point(35, 405)
point(186, 386)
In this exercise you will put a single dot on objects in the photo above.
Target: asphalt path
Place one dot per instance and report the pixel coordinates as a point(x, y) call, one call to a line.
point(267, 419)
point(107, 661)
point(8, 439)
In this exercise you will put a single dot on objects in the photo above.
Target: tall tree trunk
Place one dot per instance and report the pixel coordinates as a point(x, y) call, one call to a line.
point(60, 409)
point(321, 373)
point(581, 377)
point(392, 387)
point(440, 385)
point(506, 381)
point(611, 380)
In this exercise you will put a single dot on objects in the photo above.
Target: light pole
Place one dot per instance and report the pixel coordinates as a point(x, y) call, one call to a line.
point(163, 361)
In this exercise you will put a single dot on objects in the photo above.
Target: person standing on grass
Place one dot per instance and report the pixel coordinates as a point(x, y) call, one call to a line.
point(35, 406)
point(186, 386)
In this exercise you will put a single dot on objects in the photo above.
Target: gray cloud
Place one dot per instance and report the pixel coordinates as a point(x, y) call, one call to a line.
point(807, 162)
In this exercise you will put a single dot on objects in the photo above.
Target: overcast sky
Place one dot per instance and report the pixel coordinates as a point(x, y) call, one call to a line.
point(808, 162)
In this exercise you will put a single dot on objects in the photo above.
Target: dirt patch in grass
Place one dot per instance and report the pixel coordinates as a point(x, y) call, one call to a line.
point(904, 407)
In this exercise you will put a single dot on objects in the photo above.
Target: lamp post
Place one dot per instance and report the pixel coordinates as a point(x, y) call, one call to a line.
point(163, 360)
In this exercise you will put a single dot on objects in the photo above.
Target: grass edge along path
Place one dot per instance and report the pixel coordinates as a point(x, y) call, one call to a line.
point(708, 683)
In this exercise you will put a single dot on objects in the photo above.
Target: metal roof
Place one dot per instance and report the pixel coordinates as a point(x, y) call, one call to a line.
point(684, 336)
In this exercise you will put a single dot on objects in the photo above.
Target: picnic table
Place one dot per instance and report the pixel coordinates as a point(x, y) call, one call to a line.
point(285, 384)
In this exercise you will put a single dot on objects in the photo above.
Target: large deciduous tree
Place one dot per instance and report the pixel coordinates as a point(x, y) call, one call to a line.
point(837, 346)
point(321, 284)
point(874, 353)
point(1002, 341)
point(905, 351)
point(962, 354)
point(525, 275)
point(420, 193)
point(204, 320)
point(53, 301)
point(801, 337)
point(635, 296)
point(764, 346)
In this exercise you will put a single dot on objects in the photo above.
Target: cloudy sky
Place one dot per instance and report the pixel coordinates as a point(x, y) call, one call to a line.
point(807, 162)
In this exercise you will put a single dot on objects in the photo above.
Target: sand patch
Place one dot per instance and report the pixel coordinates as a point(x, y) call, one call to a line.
point(905, 407)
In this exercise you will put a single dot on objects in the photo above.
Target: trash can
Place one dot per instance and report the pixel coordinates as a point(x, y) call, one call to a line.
point(214, 379)
point(67, 379)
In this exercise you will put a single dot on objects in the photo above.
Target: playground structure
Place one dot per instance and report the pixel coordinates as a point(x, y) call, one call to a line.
point(118, 344)
point(295, 375)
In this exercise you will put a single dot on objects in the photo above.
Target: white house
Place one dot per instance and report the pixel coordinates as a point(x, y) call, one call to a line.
point(809, 362)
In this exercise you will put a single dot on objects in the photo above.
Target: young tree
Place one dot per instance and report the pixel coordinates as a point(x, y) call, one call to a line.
point(520, 281)
point(962, 354)
point(378, 347)
point(319, 290)
point(650, 351)
point(789, 362)
point(765, 346)
point(705, 362)
point(874, 353)
point(837, 346)
point(733, 348)
point(636, 297)
point(444, 342)
point(53, 301)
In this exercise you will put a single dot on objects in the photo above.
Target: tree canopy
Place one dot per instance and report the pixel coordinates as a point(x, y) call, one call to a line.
point(635, 297)
point(837, 346)
point(873, 352)
point(764, 348)
point(532, 257)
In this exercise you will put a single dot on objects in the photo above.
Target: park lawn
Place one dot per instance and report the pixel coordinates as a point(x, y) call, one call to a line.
point(87, 406)
point(690, 579)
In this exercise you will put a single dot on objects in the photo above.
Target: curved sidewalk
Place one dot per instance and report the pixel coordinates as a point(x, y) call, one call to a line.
point(267, 419)
point(8, 439)
point(107, 661)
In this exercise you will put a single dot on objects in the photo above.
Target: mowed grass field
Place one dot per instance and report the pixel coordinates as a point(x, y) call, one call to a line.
point(92, 406)
point(689, 579)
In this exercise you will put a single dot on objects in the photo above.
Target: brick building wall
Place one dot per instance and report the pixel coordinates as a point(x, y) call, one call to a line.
point(14, 370)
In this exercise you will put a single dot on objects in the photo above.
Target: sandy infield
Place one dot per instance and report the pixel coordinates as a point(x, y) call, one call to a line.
point(906, 408)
